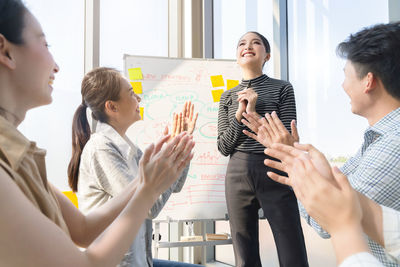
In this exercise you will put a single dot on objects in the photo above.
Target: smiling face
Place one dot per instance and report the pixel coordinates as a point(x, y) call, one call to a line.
point(355, 88)
point(35, 67)
point(128, 104)
point(251, 52)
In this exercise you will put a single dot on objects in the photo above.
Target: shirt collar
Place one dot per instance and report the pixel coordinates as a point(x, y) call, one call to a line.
point(254, 82)
point(124, 145)
point(387, 124)
point(13, 144)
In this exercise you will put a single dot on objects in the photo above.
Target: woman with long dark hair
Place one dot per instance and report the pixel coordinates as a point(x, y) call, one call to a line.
point(104, 160)
point(247, 186)
point(39, 226)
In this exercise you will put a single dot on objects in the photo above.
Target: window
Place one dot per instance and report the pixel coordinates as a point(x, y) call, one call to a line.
point(50, 126)
point(323, 109)
point(132, 27)
point(233, 18)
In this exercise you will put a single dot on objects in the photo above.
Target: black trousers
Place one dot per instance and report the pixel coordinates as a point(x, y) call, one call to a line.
point(247, 188)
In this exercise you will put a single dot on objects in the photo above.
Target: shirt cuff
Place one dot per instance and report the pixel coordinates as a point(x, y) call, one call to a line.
point(391, 231)
point(362, 259)
point(237, 125)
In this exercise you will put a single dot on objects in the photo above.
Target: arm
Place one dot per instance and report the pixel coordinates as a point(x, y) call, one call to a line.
point(334, 206)
point(287, 107)
point(274, 128)
point(374, 173)
point(372, 220)
point(287, 155)
point(39, 234)
point(163, 198)
point(391, 231)
point(229, 129)
point(114, 177)
point(85, 229)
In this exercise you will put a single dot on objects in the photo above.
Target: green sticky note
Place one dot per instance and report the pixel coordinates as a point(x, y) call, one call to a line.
point(135, 74)
point(217, 81)
point(216, 94)
point(137, 87)
point(231, 83)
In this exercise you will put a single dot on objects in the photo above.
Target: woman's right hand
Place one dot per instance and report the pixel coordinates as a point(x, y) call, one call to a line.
point(241, 109)
point(163, 162)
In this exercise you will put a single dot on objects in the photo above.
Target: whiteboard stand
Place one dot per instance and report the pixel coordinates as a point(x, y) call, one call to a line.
point(167, 244)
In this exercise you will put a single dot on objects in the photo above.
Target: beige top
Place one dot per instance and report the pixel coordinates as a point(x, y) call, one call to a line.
point(25, 164)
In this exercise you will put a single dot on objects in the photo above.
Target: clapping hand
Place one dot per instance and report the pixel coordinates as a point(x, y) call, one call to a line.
point(184, 121)
point(163, 162)
point(269, 129)
point(189, 118)
point(288, 156)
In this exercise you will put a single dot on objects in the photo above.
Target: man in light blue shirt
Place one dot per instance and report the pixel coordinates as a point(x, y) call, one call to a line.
point(372, 82)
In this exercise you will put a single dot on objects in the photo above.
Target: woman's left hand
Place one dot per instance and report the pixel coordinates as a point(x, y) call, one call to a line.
point(250, 96)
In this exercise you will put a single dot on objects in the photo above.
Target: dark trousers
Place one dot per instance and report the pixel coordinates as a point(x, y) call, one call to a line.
point(248, 188)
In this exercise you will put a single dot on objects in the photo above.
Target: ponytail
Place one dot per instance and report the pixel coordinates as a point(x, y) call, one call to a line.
point(98, 86)
point(80, 136)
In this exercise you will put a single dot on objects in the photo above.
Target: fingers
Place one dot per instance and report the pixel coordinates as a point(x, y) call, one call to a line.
point(147, 154)
point(195, 119)
point(251, 135)
point(185, 162)
point(289, 150)
point(280, 179)
point(167, 149)
point(251, 121)
point(185, 110)
point(182, 123)
point(182, 158)
point(174, 125)
point(302, 178)
point(271, 124)
point(278, 154)
point(267, 128)
point(274, 164)
point(191, 111)
point(295, 133)
point(178, 129)
point(165, 132)
point(264, 137)
point(341, 179)
point(278, 123)
point(161, 142)
point(306, 147)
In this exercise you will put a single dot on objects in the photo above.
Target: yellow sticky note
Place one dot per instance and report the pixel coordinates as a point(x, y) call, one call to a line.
point(72, 197)
point(141, 112)
point(137, 87)
point(231, 83)
point(135, 74)
point(216, 94)
point(217, 81)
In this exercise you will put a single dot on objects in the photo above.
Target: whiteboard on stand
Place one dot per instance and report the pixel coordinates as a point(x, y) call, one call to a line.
point(167, 83)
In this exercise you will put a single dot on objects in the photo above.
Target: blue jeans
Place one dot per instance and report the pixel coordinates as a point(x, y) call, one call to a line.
point(164, 263)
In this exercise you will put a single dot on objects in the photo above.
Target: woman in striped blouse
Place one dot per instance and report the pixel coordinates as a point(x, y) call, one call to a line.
point(248, 188)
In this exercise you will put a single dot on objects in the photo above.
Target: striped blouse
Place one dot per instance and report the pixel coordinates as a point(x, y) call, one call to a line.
point(273, 95)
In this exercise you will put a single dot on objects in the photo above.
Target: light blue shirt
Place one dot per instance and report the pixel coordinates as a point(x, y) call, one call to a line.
point(375, 172)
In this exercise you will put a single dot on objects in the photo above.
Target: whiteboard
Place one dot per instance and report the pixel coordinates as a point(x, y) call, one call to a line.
point(167, 83)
